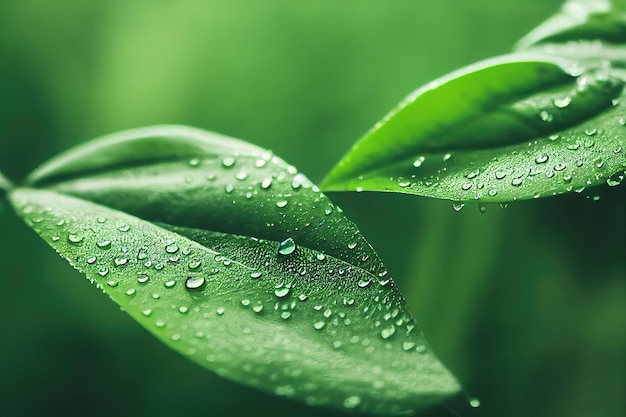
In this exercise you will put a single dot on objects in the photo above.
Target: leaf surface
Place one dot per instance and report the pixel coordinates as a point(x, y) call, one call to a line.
point(502, 130)
point(235, 260)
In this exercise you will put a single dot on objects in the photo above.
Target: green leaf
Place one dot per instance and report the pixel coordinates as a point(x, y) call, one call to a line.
point(505, 129)
point(235, 260)
point(581, 20)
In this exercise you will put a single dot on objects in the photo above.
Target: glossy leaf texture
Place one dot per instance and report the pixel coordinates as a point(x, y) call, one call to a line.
point(516, 127)
point(231, 257)
point(578, 20)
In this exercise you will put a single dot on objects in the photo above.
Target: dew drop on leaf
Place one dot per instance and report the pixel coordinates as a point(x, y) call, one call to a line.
point(418, 162)
point(228, 162)
point(287, 247)
point(194, 283)
point(104, 244)
point(281, 292)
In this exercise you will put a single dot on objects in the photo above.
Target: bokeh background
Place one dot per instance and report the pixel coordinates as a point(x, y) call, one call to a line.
point(527, 305)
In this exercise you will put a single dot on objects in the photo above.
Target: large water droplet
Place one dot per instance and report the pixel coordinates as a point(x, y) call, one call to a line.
point(562, 102)
point(228, 162)
point(266, 183)
point(104, 244)
point(319, 325)
point(281, 292)
point(287, 247)
point(194, 283)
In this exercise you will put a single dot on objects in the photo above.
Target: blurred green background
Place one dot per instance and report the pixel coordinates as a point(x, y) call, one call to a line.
point(526, 305)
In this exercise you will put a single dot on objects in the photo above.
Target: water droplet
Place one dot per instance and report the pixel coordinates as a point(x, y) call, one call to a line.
point(257, 308)
point(124, 228)
point(120, 261)
point(364, 282)
point(403, 184)
point(170, 284)
point(183, 309)
point(281, 203)
point(560, 167)
point(466, 187)
point(573, 146)
point(228, 162)
point(285, 315)
point(92, 260)
point(229, 188)
point(473, 174)
point(241, 175)
point(408, 345)
point(492, 192)
point(545, 116)
point(256, 274)
point(352, 401)
point(541, 159)
point(147, 312)
point(103, 271)
point(260, 163)
point(160, 323)
point(130, 291)
point(266, 183)
point(194, 283)
point(194, 162)
point(447, 156)
point(516, 182)
point(474, 402)
point(112, 283)
point(320, 256)
point(104, 244)
point(482, 208)
point(590, 132)
point(194, 265)
point(171, 248)
point(142, 278)
point(281, 292)
point(352, 245)
point(562, 102)
point(287, 247)
point(319, 325)
point(74, 238)
point(245, 302)
point(500, 174)
point(599, 163)
point(458, 206)
point(418, 162)
point(220, 311)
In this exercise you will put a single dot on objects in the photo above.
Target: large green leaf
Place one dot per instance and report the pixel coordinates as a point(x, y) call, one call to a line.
point(506, 129)
point(232, 258)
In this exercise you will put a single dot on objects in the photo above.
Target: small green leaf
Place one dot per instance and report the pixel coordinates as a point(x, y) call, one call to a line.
point(490, 131)
point(580, 20)
point(235, 260)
